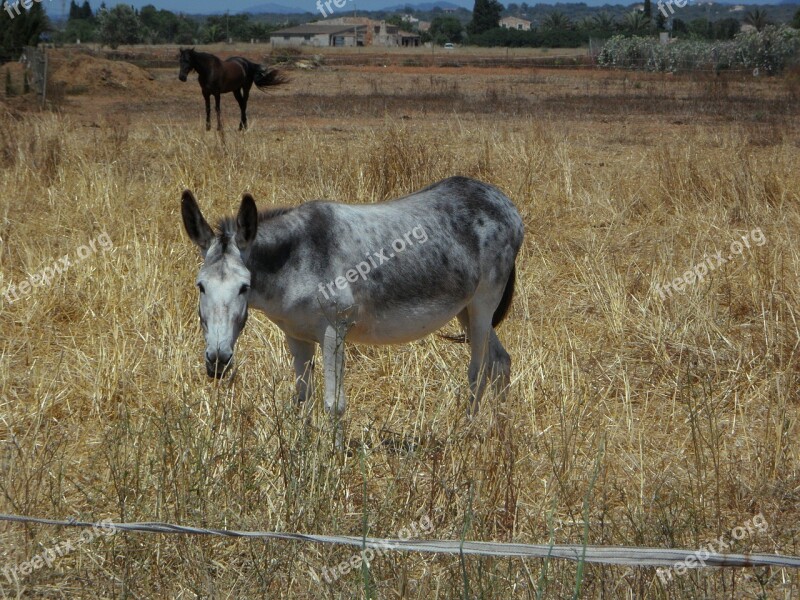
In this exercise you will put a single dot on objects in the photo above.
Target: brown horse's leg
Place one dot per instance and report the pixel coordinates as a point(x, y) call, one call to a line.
point(208, 111)
point(243, 107)
point(245, 96)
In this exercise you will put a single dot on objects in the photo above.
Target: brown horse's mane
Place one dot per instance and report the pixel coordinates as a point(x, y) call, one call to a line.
point(199, 54)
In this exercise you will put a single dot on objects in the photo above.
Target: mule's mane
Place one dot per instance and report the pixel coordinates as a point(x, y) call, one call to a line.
point(226, 227)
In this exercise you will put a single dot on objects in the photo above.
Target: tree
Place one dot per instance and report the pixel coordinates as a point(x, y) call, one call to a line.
point(80, 24)
point(158, 26)
point(79, 29)
point(401, 22)
point(74, 11)
point(120, 25)
point(485, 16)
point(726, 29)
point(661, 21)
point(24, 30)
point(604, 23)
point(796, 19)
point(648, 10)
point(679, 26)
point(86, 10)
point(556, 21)
point(700, 28)
point(758, 18)
point(445, 29)
point(636, 23)
point(213, 33)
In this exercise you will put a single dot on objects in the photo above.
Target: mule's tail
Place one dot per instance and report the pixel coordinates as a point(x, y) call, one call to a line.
point(265, 77)
point(500, 313)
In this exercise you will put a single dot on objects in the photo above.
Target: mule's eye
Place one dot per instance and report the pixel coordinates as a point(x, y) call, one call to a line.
point(244, 289)
point(201, 288)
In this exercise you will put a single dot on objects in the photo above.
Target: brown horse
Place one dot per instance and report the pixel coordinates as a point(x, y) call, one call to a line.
point(235, 75)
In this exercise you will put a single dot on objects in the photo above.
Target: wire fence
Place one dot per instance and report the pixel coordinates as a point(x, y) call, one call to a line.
point(609, 555)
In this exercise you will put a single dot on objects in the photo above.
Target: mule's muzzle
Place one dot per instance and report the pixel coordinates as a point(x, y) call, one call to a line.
point(218, 365)
point(182, 76)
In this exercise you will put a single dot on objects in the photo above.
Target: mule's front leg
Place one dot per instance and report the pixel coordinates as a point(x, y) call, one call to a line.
point(333, 363)
point(303, 362)
point(219, 117)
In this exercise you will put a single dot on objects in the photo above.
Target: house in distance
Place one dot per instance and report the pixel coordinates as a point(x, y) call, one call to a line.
point(345, 32)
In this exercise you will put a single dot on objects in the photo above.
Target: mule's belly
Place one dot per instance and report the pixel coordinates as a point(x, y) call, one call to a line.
point(399, 327)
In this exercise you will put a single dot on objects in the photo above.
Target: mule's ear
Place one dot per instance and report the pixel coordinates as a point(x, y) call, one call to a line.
point(199, 230)
point(246, 222)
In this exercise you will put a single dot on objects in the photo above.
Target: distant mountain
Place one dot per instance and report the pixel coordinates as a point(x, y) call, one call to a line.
point(271, 7)
point(428, 6)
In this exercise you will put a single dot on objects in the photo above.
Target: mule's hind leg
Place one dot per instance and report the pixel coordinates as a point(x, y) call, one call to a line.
point(479, 325)
point(500, 366)
point(489, 361)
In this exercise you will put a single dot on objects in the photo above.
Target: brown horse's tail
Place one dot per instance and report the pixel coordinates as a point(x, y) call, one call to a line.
point(500, 312)
point(265, 77)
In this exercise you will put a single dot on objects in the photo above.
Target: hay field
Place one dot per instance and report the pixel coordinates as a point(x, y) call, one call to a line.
point(632, 419)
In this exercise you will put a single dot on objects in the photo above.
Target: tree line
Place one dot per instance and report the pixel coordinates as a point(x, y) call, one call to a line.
point(556, 29)
point(124, 24)
point(551, 26)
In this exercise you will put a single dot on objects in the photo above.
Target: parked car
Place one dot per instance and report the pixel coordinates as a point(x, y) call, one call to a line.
point(449, 46)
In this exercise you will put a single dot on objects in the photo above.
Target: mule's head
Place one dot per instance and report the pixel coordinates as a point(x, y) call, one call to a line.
point(186, 61)
point(223, 280)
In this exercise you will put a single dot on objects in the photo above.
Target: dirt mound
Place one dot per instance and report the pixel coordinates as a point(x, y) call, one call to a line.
point(86, 73)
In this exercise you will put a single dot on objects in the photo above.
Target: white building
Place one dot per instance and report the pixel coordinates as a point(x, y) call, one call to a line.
point(319, 35)
point(515, 23)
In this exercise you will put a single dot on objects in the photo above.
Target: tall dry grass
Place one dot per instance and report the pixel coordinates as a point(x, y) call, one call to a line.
point(632, 420)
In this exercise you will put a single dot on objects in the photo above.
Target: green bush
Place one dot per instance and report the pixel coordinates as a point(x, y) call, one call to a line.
point(770, 51)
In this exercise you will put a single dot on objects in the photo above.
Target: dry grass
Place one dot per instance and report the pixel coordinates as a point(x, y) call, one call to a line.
point(685, 409)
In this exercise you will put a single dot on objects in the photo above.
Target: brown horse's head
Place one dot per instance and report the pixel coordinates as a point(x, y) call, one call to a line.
point(187, 63)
